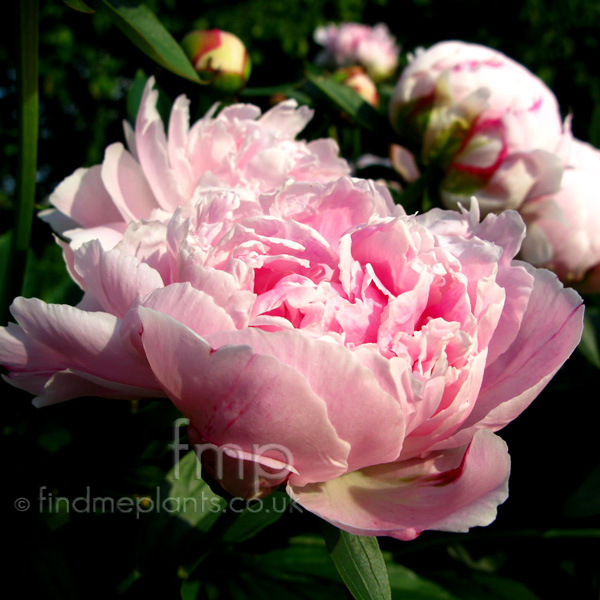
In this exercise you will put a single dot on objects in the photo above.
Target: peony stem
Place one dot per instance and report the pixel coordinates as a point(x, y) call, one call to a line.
point(27, 86)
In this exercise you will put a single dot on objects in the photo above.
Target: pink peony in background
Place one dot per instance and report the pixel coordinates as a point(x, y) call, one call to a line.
point(158, 171)
point(492, 126)
point(349, 44)
point(563, 229)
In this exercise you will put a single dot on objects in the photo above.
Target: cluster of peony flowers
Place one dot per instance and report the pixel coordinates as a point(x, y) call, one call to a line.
point(354, 44)
point(280, 303)
point(496, 132)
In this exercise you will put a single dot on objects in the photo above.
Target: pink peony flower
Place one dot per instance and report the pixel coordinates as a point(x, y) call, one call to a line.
point(348, 44)
point(380, 350)
point(563, 229)
point(492, 126)
point(159, 172)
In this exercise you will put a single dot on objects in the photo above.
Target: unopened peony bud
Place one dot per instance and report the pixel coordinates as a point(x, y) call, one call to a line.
point(219, 57)
point(563, 229)
point(491, 125)
point(356, 79)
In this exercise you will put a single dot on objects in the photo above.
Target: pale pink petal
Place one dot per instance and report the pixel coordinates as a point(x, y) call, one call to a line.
point(194, 308)
point(53, 338)
point(375, 435)
point(126, 184)
point(69, 384)
point(540, 348)
point(84, 198)
point(114, 280)
point(452, 490)
point(235, 396)
point(286, 118)
point(152, 150)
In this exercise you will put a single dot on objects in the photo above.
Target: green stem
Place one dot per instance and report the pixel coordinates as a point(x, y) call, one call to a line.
point(28, 101)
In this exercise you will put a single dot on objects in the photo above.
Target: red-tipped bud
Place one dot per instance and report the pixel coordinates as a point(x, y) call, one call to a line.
point(219, 57)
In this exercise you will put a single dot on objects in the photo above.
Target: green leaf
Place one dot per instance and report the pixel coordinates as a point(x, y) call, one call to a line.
point(256, 516)
point(360, 563)
point(28, 121)
point(80, 6)
point(347, 100)
point(589, 340)
point(480, 585)
point(142, 27)
point(300, 571)
point(179, 514)
point(407, 585)
point(190, 590)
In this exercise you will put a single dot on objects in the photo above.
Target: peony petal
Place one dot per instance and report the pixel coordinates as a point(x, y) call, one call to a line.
point(125, 182)
point(53, 338)
point(194, 308)
point(376, 434)
point(452, 490)
point(115, 281)
point(540, 348)
point(153, 154)
point(235, 396)
point(84, 198)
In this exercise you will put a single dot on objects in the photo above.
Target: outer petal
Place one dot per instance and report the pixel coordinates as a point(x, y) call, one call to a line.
point(125, 182)
point(54, 338)
point(83, 197)
point(452, 490)
point(114, 281)
point(540, 348)
point(347, 387)
point(235, 396)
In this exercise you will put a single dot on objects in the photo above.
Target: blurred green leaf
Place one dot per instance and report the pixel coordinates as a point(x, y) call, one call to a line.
point(346, 100)
point(54, 439)
point(589, 340)
point(308, 572)
point(80, 6)
point(360, 563)
point(142, 27)
point(257, 516)
point(302, 570)
point(479, 585)
point(594, 133)
point(47, 278)
point(585, 500)
point(407, 585)
point(178, 514)
point(190, 590)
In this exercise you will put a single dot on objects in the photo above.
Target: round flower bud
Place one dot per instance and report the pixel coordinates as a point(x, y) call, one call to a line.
point(219, 57)
point(356, 79)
